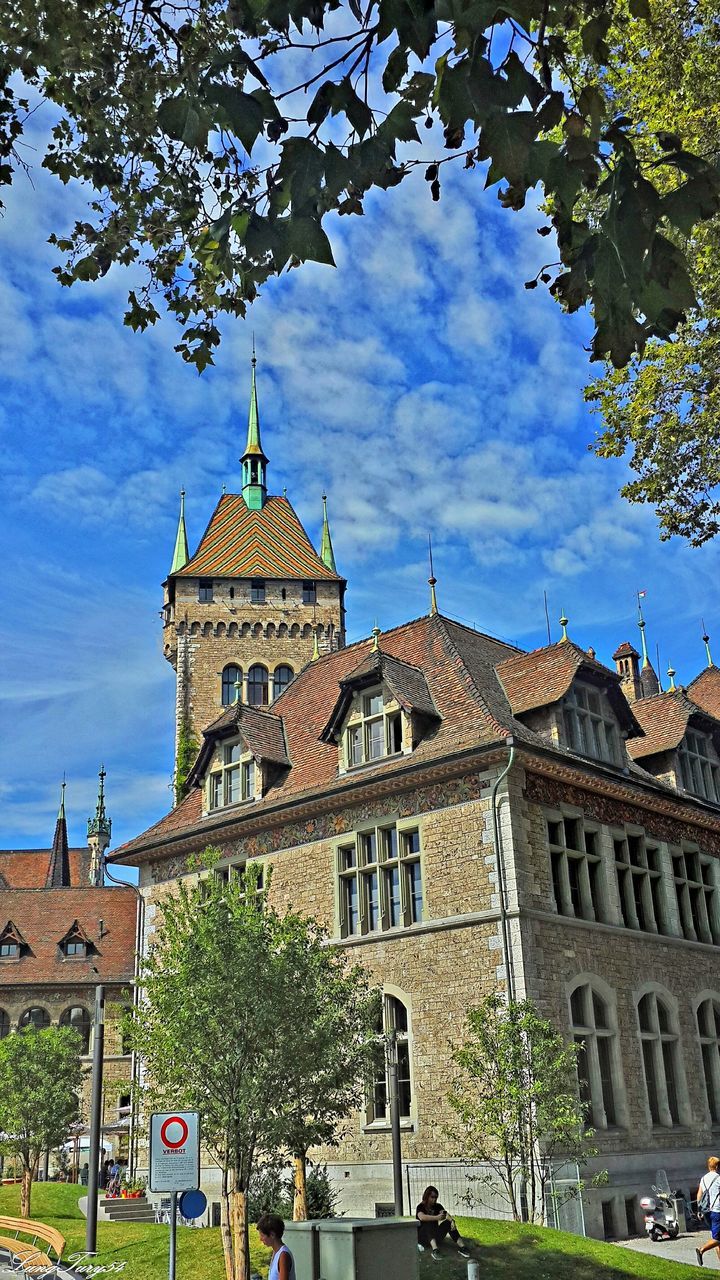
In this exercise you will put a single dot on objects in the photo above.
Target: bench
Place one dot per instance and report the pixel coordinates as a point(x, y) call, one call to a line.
point(31, 1257)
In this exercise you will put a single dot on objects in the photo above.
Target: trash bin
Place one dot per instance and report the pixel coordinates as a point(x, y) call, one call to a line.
point(354, 1248)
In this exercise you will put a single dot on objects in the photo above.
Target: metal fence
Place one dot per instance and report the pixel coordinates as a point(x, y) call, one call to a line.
point(476, 1190)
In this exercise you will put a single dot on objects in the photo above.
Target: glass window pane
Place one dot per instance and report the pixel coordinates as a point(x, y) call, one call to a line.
point(650, 1081)
point(414, 884)
point(232, 753)
point(258, 691)
point(606, 1077)
point(375, 743)
point(230, 676)
point(281, 679)
point(392, 894)
point(373, 704)
point(232, 785)
point(355, 745)
point(372, 901)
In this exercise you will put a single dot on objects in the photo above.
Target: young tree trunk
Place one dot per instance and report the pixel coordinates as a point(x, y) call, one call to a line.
point(239, 1231)
point(225, 1230)
point(25, 1191)
point(300, 1209)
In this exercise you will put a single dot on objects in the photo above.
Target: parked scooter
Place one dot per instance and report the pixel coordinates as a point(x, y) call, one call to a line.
point(661, 1220)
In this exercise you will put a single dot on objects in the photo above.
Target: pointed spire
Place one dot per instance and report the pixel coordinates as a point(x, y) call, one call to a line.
point(432, 581)
point(98, 832)
point(181, 554)
point(376, 633)
point(327, 554)
point(564, 624)
point(671, 677)
point(316, 648)
point(58, 876)
point(641, 625)
point(253, 460)
point(706, 642)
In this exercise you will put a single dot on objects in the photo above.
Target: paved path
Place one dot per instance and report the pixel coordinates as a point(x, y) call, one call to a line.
point(680, 1250)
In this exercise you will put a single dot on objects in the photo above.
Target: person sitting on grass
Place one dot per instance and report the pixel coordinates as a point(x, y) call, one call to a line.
point(270, 1229)
point(434, 1224)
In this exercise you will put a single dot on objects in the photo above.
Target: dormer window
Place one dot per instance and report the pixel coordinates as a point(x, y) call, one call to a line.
point(374, 733)
point(12, 943)
point(699, 771)
point(232, 779)
point(74, 945)
point(589, 726)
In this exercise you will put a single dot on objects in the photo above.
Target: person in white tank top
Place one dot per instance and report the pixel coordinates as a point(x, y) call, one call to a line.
point(270, 1229)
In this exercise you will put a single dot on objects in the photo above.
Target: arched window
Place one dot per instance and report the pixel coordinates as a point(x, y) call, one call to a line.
point(35, 1017)
point(659, 1041)
point(594, 1035)
point(79, 1019)
point(231, 674)
point(393, 1037)
point(281, 679)
point(4, 1024)
point(708, 1021)
point(258, 690)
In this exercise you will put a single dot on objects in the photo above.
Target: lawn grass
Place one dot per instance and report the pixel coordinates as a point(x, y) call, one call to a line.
point(505, 1250)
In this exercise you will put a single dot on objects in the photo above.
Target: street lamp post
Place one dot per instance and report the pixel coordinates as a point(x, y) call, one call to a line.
point(95, 1121)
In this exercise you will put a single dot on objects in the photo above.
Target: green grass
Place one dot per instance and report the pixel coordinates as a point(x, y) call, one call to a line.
point(506, 1250)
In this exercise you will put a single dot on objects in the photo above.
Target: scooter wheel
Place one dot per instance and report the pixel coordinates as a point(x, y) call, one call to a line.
point(673, 1232)
point(656, 1235)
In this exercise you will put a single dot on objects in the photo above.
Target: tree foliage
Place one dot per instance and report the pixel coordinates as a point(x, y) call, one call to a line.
point(40, 1078)
point(230, 989)
point(664, 408)
point(516, 1101)
point(218, 135)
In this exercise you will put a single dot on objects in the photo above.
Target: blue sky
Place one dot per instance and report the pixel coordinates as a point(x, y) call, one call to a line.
point(419, 383)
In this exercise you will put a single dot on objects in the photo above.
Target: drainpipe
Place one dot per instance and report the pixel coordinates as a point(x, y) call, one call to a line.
point(133, 1135)
point(500, 872)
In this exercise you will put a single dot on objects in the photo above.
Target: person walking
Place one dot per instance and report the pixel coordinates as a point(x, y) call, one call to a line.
point(270, 1229)
point(708, 1198)
point(434, 1224)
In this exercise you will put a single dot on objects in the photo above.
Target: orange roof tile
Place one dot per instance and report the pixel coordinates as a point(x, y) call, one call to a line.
point(44, 917)
point(240, 543)
point(544, 676)
point(664, 719)
point(705, 691)
point(28, 868)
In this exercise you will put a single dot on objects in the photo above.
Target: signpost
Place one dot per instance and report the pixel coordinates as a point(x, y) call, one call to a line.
point(174, 1161)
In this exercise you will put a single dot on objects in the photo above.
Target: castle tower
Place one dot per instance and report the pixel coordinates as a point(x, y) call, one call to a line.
point(98, 833)
point(252, 602)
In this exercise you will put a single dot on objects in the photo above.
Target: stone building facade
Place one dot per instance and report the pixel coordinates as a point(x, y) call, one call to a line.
point(62, 933)
point(396, 784)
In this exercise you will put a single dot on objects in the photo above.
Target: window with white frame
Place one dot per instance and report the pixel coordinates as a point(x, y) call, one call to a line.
point(232, 778)
point(708, 1024)
point(576, 867)
point(393, 1037)
point(595, 1038)
point(379, 880)
point(375, 730)
point(659, 1041)
point(696, 880)
point(589, 725)
point(639, 882)
point(698, 767)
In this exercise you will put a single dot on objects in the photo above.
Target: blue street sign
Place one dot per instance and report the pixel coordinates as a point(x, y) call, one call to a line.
point(192, 1204)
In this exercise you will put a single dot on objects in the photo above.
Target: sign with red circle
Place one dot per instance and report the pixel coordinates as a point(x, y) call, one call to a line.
point(174, 1132)
point(174, 1151)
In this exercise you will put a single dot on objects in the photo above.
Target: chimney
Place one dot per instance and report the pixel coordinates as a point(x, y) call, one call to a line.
point(627, 662)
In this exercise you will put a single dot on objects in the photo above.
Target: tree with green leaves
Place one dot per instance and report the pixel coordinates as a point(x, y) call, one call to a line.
point(516, 1102)
point(663, 409)
point(227, 1028)
point(40, 1078)
point(221, 137)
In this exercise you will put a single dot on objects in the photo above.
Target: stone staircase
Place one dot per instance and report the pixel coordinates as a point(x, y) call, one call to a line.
point(139, 1210)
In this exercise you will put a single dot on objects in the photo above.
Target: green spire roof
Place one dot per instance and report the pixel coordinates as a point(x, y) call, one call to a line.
point(181, 554)
point(253, 448)
point(253, 460)
point(327, 554)
point(100, 824)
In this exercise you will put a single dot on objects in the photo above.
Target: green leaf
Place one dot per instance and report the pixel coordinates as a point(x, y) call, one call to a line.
point(86, 269)
point(593, 35)
point(240, 112)
point(640, 9)
point(521, 83)
point(506, 140)
point(592, 105)
point(395, 69)
point(182, 119)
point(307, 241)
point(399, 124)
point(302, 167)
point(696, 199)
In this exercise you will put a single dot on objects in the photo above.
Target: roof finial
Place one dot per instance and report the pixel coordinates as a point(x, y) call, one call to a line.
point(254, 357)
point(316, 647)
point(564, 624)
point(432, 580)
point(223, 489)
point(706, 642)
point(61, 810)
point(181, 554)
point(376, 633)
point(237, 686)
point(253, 460)
point(641, 623)
point(671, 678)
point(327, 555)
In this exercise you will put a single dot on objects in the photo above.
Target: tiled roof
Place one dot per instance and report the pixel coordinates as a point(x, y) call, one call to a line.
point(544, 676)
point(44, 917)
point(58, 876)
point(261, 731)
point(240, 543)
point(664, 719)
point(625, 650)
point(705, 691)
point(407, 683)
point(28, 868)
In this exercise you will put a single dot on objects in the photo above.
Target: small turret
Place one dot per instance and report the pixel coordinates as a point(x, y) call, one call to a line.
point(627, 663)
point(58, 876)
point(254, 461)
point(98, 833)
point(181, 554)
